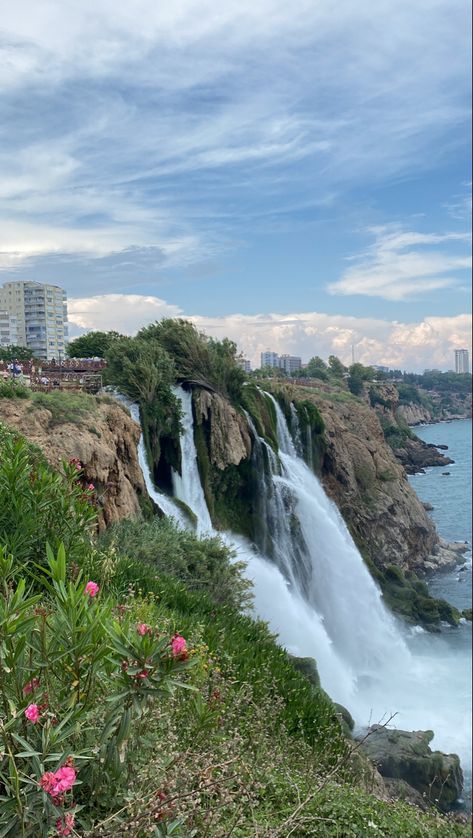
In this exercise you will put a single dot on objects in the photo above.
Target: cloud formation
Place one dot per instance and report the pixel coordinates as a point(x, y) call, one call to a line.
point(401, 264)
point(412, 346)
point(169, 125)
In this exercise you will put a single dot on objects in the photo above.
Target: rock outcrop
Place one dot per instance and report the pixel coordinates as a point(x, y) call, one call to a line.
point(406, 756)
point(229, 440)
point(361, 474)
point(105, 441)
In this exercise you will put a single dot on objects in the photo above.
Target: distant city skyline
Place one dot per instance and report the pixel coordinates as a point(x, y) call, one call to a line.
point(288, 175)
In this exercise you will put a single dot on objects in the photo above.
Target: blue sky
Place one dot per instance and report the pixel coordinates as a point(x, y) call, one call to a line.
point(292, 175)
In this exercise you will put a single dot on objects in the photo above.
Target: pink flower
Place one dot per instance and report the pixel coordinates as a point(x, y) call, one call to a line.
point(92, 589)
point(91, 487)
point(65, 825)
point(143, 674)
point(178, 646)
point(31, 686)
point(65, 779)
point(143, 628)
point(57, 782)
point(48, 782)
point(32, 713)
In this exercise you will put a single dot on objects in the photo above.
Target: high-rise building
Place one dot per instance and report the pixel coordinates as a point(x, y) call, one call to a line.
point(290, 363)
point(8, 332)
point(40, 312)
point(462, 360)
point(269, 359)
point(244, 363)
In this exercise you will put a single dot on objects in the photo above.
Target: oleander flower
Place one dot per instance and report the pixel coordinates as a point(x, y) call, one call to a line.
point(31, 686)
point(55, 783)
point(143, 628)
point(65, 825)
point(178, 646)
point(91, 487)
point(32, 713)
point(92, 589)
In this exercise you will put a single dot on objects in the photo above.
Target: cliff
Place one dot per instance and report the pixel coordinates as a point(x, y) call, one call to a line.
point(103, 437)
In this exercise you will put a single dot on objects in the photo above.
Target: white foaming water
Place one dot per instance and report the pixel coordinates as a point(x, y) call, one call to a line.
point(166, 504)
point(318, 597)
point(187, 485)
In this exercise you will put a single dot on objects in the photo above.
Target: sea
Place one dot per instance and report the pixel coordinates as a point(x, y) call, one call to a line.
point(449, 490)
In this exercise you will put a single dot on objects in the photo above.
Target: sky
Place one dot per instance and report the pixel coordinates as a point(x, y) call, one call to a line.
point(295, 176)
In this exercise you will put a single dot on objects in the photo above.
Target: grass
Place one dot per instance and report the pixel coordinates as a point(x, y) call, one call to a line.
point(65, 408)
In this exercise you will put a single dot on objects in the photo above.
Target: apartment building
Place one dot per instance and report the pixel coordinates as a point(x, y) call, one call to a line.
point(40, 314)
point(8, 331)
point(269, 359)
point(244, 363)
point(290, 363)
point(462, 360)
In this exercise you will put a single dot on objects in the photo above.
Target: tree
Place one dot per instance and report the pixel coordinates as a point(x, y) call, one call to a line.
point(317, 368)
point(142, 369)
point(336, 368)
point(92, 345)
point(15, 353)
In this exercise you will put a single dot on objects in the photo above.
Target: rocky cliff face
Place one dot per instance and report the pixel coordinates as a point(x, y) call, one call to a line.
point(229, 440)
point(363, 477)
point(105, 442)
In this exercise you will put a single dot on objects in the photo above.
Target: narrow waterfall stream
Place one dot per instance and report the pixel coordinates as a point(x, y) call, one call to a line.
point(312, 587)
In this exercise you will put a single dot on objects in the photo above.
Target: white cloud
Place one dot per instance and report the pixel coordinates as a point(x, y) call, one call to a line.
point(412, 346)
point(125, 313)
point(128, 94)
point(400, 265)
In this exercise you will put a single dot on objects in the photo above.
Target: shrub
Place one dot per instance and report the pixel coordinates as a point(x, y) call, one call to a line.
point(38, 505)
point(60, 660)
point(202, 564)
point(13, 390)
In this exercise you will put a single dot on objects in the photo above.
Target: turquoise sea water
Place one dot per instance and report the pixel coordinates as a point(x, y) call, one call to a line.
point(451, 496)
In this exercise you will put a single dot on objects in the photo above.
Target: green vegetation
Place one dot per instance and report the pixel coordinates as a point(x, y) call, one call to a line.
point(409, 596)
point(92, 345)
point(13, 390)
point(138, 699)
point(15, 353)
point(76, 408)
point(205, 564)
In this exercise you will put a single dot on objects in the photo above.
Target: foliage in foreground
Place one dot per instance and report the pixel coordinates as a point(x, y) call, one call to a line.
point(101, 735)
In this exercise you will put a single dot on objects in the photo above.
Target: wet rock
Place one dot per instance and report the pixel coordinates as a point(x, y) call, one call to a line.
point(406, 755)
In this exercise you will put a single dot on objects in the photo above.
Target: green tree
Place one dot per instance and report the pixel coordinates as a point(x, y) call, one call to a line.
point(92, 345)
point(142, 370)
point(15, 353)
point(336, 368)
point(317, 368)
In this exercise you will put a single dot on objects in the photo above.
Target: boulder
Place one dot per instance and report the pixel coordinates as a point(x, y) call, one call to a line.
point(406, 755)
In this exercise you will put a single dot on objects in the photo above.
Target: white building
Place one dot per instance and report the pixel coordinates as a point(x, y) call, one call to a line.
point(8, 330)
point(244, 363)
point(290, 363)
point(40, 311)
point(269, 359)
point(462, 360)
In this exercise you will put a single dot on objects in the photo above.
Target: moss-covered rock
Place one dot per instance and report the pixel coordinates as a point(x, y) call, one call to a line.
point(405, 755)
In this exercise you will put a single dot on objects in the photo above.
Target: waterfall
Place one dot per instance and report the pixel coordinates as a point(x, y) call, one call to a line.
point(187, 486)
point(165, 503)
point(313, 589)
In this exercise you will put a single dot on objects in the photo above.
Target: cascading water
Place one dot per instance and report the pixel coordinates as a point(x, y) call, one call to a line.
point(187, 485)
point(165, 503)
point(318, 597)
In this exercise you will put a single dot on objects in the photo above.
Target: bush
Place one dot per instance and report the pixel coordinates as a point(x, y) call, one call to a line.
point(13, 390)
point(60, 661)
point(38, 505)
point(202, 564)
